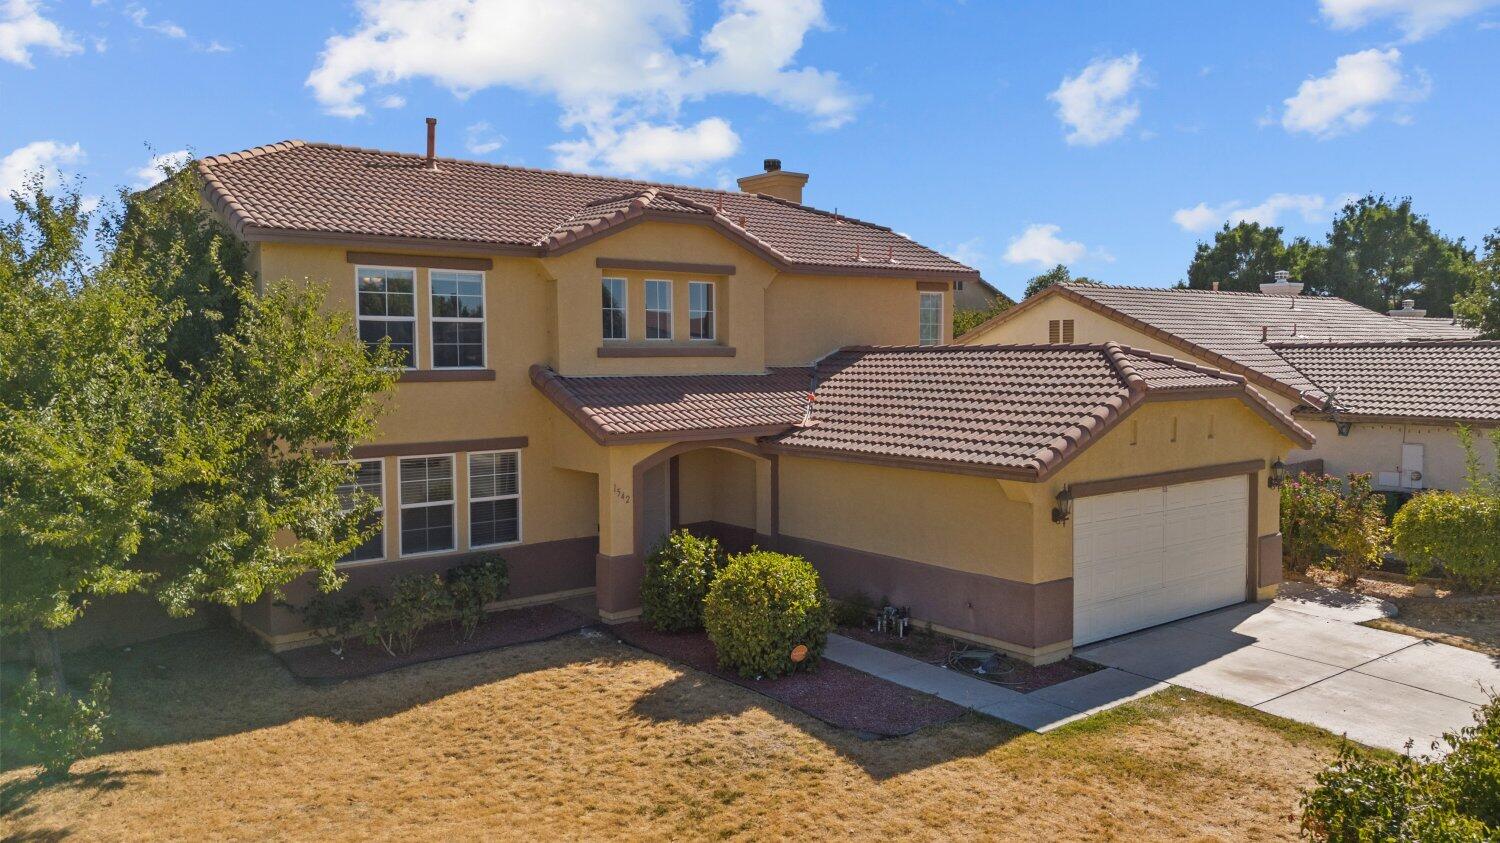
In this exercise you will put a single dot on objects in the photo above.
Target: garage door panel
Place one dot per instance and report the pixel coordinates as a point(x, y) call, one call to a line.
point(1150, 556)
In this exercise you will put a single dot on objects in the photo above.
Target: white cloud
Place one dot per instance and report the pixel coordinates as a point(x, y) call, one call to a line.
point(157, 168)
point(647, 148)
point(1347, 97)
point(969, 252)
point(1417, 19)
point(613, 68)
point(23, 28)
point(480, 139)
point(46, 157)
point(1203, 217)
point(1040, 244)
point(392, 101)
point(141, 18)
point(1095, 105)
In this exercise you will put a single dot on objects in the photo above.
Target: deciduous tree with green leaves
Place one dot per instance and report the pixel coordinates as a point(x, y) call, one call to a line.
point(1056, 275)
point(1479, 308)
point(1248, 254)
point(1380, 251)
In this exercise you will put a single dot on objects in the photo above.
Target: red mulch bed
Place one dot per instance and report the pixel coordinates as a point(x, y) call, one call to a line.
point(838, 695)
point(316, 665)
point(1010, 673)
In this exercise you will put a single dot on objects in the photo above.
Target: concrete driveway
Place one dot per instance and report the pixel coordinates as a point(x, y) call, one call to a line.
point(1309, 660)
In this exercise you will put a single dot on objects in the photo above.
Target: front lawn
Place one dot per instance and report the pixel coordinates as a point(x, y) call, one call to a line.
point(582, 737)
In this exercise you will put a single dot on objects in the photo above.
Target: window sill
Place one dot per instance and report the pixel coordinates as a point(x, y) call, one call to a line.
point(665, 350)
point(445, 375)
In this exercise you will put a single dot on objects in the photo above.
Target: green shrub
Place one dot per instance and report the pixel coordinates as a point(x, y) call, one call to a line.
point(334, 618)
point(1455, 798)
point(1358, 533)
point(474, 585)
point(854, 610)
point(678, 575)
point(415, 602)
point(56, 729)
point(760, 607)
point(1459, 531)
point(1308, 502)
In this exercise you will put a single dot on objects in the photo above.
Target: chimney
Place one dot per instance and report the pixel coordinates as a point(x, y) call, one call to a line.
point(1283, 286)
point(432, 143)
point(783, 184)
point(1216, 286)
point(1408, 309)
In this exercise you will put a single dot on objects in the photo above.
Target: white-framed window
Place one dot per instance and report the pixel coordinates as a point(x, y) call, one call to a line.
point(614, 304)
point(494, 498)
point(427, 523)
point(387, 308)
point(658, 309)
point(368, 479)
point(930, 319)
point(457, 319)
point(701, 310)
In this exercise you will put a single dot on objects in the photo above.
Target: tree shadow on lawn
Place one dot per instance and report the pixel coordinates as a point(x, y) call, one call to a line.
point(16, 794)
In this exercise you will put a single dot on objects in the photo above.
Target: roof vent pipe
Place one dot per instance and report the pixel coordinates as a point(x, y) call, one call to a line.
point(432, 143)
point(1216, 286)
point(1283, 286)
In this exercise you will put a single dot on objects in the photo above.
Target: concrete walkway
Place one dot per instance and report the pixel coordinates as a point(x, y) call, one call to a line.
point(1303, 657)
point(1040, 711)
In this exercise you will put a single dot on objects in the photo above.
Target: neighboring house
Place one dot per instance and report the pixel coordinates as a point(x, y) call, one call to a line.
point(594, 361)
point(977, 295)
point(1253, 334)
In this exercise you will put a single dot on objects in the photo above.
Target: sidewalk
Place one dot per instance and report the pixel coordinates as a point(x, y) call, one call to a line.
point(1040, 711)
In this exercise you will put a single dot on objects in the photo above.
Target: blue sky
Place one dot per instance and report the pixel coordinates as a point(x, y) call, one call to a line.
point(1109, 136)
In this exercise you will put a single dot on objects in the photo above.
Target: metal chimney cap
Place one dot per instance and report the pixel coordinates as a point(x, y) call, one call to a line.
point(1283, 276)
point(772, 164)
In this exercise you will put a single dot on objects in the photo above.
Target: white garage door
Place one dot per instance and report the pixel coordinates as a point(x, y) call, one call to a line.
point(1154, 555)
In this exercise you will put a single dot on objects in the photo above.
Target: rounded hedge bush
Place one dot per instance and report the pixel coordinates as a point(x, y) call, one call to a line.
point(761, 606)
point(678, 574)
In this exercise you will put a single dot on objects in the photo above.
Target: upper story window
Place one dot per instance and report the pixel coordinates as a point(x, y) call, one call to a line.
point(494, 498)
point(457, 319)
point(427, 524)
point(930, 319)
point(387, 309)
point(369, 480)
point(700, 310)
point(615, 319)
point(1060, 331)
point(658, 309)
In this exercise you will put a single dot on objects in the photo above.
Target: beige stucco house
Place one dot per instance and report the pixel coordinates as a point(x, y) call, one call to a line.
point(1382, 393)
point(594, 361)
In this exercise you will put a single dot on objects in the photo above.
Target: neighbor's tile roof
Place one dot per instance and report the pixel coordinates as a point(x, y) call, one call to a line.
point(1227, 328)
point(1444, 381)
point(294, 187)
point(1017, 410)
point(659, 407)
point(1442, 328)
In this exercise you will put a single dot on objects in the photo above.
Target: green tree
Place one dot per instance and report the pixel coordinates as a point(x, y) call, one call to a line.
point(1479, 308)
point(965, 321)
point(1380, 252)
point(197, 465)
point(1056, 275)
point(1248, 254)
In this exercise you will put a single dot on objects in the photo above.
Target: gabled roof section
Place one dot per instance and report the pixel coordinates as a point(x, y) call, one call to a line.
point(1006, 411)
point(299, 190)
point(1231, 329)
point(1435, 382)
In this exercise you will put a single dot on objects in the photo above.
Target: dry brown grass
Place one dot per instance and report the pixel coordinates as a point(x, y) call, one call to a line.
point(584, 738)
point(1471, 621)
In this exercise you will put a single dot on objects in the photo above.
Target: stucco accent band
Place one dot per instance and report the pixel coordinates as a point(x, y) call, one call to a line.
point(666, 351)
point(1165, 478)
point(665, 266)
point(617, 583)
point(451, 446)
point(424, 261)
point(445, 375)
point(1269, 558)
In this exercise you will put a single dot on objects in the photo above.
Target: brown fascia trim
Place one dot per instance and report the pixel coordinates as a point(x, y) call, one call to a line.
point(451, 446)
point(1424, 421)
point(666, 351)
point(255, 234)
point(934, 286)
point(665, 266)
point(916, 463)
point(445, 375)
point(423, 261)
point(1091, 488)
point(1144, 327)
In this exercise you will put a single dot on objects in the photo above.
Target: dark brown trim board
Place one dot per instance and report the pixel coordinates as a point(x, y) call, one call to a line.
point(424, 261)
point(665, 266)
point(451, 446)
point(1269, 555)
point(617, 582)
point(1165, 478)
point(445, 375)
point(934, 286)
point(666, 351)
point(1252, 534)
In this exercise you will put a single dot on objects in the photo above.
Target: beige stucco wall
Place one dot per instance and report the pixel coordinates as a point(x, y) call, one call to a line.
point(716, 485)
point(808, 316)
point(1375, 448)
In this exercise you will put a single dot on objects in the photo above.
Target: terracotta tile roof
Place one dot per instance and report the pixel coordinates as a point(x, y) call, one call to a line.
point(294, 188)
point(1442, 328)
point(677, 407)
point(1229, 329)
point(1019, 411)
point(1442, 381)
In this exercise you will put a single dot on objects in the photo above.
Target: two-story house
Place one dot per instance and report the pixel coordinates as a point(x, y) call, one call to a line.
point(592, 361)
